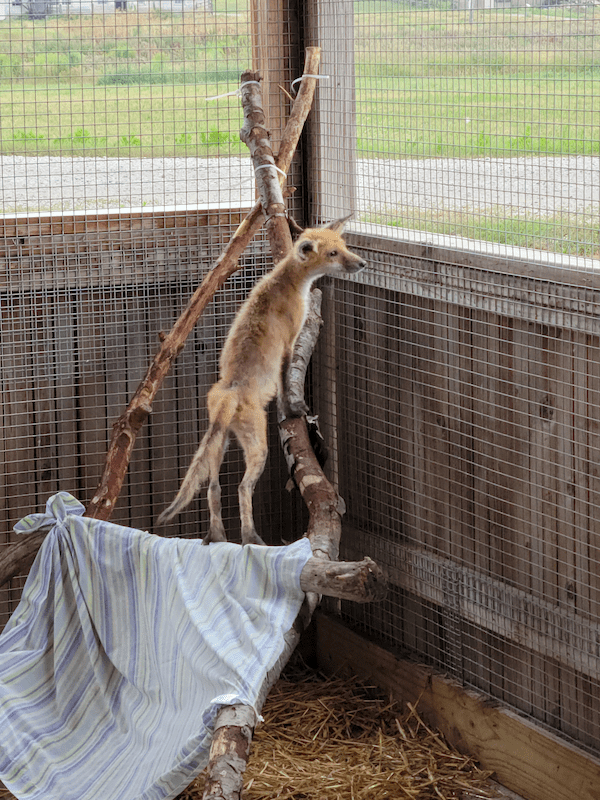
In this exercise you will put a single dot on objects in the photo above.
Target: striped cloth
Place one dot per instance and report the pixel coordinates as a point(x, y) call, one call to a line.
point(122, 649)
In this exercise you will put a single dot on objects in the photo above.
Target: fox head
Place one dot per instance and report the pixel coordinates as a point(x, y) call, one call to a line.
point(322, 251)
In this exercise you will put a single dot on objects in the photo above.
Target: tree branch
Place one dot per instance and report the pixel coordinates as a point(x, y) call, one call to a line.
point(255, 136)
point(359, 581)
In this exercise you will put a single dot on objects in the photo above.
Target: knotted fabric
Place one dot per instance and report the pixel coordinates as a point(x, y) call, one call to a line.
point(122, 649)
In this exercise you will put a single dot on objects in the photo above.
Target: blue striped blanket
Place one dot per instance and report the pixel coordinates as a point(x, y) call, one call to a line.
point(123, 647)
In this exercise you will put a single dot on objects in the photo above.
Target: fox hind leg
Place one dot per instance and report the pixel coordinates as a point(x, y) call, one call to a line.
point(251, 431)
point(216, 531)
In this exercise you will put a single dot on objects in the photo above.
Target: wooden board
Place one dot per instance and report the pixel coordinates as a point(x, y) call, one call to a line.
point(525, 758)
point(108, 249)
point(332, 124)
point(468, 454)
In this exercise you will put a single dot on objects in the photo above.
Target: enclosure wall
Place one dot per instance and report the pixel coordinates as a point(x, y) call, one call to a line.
point(84, 300)
point(465, 403)
point(458, 376)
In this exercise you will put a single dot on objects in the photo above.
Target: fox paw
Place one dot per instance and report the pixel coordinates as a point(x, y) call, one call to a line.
point(214, 535)
point(251, 537)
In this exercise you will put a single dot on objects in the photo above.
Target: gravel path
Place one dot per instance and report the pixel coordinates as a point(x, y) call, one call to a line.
point(541, 186)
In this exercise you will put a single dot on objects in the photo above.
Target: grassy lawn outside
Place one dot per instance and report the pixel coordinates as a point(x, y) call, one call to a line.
point(568, 234)
point(120, 121)
point(515, 82)
point(429, 83)
point(121, 84)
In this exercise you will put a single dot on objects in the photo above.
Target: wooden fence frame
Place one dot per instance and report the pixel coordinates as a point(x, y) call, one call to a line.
point(524, 757)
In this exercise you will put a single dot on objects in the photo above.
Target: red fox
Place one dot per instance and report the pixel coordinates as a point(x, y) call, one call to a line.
point(254, 368)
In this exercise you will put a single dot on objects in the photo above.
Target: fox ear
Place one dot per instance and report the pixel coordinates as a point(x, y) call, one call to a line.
point(305, 248)
point(337, 226)
point(295, 229)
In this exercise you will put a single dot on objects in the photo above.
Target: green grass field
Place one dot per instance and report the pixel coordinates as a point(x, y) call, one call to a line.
point(429, 84)
point(93, 120)
point(510, 83)
point(569, 234)
point(121, 84)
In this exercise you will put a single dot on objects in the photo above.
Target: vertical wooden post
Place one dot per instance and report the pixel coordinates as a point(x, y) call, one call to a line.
point(331, 171)
point(277, 53)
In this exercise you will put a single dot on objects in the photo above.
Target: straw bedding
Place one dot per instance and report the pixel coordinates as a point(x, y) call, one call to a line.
point(334, 739)
point(337, 739)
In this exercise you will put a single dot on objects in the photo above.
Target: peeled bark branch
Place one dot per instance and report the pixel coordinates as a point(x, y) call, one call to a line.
point(325, 506)
point(305, 345)
point(255, 136)
point(363, 581)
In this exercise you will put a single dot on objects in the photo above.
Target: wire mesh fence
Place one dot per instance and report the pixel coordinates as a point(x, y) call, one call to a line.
point(475, 120)
point(121, 182)
point(468, 458)
point(458, 374)
point(92, 103)
point(457, 379)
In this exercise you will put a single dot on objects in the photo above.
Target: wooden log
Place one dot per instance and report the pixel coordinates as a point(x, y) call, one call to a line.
point(19, 556)
point(305, 345)
point(360, 581)
point(229, 752)
point(255, 136)
point(325, 506)
point(127, 427)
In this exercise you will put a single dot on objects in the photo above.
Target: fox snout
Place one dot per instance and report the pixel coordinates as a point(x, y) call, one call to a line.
point(355, 266)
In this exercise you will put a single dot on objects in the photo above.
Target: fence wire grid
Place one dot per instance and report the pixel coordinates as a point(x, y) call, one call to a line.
point(457, 378)
point(458, 375)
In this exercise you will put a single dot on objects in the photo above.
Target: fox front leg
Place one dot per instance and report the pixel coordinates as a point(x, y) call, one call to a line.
point(291, 400)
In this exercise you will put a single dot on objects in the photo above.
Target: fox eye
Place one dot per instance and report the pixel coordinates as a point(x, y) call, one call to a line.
point(333, 253)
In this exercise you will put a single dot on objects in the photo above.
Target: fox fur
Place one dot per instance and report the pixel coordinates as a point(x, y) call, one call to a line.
point(254, 367)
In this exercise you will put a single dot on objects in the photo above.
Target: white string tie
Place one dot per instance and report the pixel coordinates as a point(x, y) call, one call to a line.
point(237, 91)
point(274, 166)
point(247, 83)
point(308, 75)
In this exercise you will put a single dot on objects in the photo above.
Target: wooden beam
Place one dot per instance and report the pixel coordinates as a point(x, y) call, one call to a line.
point(277, 54)
point(545, 628)
point(332, 129)
point(107, 247)
point(524, 757)
point(522, 289)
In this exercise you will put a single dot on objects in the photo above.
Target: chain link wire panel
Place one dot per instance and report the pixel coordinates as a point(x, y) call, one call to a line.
point(477, 123)
point(121, 183)
point(458, 376)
